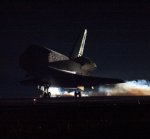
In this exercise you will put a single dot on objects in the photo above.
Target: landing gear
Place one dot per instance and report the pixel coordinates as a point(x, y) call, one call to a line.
point(44, 90)
point(45, 95)
point(77, 93)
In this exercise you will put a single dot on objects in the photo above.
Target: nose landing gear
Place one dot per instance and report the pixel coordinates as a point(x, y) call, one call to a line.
point(44, 90)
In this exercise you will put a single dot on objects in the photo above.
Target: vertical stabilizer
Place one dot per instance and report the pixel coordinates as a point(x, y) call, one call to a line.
point(79, 47)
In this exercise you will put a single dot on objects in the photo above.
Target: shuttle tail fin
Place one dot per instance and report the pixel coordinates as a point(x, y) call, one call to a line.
point(79, 47)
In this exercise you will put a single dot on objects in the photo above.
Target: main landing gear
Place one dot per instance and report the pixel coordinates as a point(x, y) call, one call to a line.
point(43, 90)
point(77, 93)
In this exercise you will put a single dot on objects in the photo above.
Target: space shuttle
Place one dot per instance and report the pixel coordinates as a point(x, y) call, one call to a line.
point(46, 67)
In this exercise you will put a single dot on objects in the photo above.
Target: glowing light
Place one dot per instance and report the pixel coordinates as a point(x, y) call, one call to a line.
point(55, 91)
point(68, 94)
point(92, 87)
point(34, 100)
point(80, 88)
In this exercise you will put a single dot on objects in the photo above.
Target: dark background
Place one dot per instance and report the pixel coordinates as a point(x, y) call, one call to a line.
point(118, 37)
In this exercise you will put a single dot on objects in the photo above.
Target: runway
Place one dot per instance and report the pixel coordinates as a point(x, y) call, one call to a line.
point(69, 117)
point(100, 100)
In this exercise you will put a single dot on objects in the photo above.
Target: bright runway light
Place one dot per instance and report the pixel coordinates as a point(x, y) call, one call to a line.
point(55, 91)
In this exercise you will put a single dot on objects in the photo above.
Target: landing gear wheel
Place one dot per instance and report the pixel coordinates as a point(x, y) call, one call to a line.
point(77, 93)
point(49, 94)
point(46, 95)
point(44, 90)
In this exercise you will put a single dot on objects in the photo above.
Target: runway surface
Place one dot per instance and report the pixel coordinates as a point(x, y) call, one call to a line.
point(69, 117)
point(102, 100)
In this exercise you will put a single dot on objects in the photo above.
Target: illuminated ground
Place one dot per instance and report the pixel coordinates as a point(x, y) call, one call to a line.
point(129, 88)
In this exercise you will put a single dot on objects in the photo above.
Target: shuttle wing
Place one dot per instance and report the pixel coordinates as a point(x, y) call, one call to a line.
point(67, 79)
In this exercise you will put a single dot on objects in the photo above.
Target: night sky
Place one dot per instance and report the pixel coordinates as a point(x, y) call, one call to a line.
point(118, 37)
